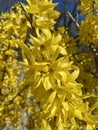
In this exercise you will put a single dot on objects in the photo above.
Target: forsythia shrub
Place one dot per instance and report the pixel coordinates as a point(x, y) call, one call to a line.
point(50, 82)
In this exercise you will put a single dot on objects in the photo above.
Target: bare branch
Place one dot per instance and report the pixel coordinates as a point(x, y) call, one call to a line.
point(73, 19)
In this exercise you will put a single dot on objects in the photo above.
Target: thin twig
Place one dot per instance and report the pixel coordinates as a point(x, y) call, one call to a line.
point(73, 19)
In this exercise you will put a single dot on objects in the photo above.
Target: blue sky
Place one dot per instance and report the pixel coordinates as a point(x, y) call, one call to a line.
point(6, 4)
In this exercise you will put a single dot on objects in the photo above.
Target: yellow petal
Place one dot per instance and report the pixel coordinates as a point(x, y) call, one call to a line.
point(35, 41)
point(52, 97)
point(47, 84)
point(78, 114)
point(73, 76)
point(56, 39)
point(90, 127)
point(47, 33)
point(33, 9)
point(90, 118)
point(45, 125)
point(65, 106)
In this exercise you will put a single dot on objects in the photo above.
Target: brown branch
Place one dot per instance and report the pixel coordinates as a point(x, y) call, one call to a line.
point(19, 93)
point(29, 17)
